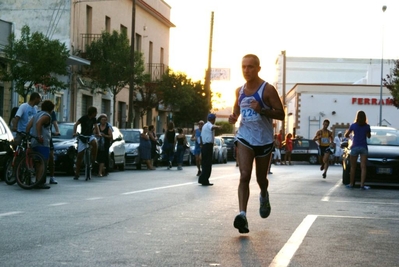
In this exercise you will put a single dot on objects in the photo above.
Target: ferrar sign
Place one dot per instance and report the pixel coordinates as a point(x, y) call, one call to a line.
point(220, 74)
point(371, 101)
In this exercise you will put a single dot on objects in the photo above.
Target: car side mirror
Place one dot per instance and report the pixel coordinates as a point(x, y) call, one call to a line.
point(344, 144)
point(160, 142)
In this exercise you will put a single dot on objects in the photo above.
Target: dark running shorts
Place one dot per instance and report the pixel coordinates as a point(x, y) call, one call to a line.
point(259, 151)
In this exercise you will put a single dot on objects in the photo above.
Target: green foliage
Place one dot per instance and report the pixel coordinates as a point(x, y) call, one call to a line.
point(34, 60)
point(392, 83)
point(226, 128)
point(185, 98)
point(110, 67)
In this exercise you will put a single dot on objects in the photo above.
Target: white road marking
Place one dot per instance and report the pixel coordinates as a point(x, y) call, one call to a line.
point(328, 194)
point(175, 185)
point(359, 217)
point(366, 202)
point(284, 256)
point(58, 204)
point(10, 213)
point(94, 198)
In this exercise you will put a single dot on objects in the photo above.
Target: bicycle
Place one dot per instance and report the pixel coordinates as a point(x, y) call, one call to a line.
point(28, 167)
point(11, 166)
point(87, 154)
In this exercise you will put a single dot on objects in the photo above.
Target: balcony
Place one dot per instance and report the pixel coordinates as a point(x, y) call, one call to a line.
point(87, 39)
point(156, 70)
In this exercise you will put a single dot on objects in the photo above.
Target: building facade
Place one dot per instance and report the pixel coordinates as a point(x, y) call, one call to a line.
point(332, 88)
point(79, 22)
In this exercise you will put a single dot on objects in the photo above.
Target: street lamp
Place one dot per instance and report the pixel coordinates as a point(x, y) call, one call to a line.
point(382, 66)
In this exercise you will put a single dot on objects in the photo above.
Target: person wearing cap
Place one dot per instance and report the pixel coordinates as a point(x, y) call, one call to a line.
point(338, 149)
point(207, 139)
point(258, 103)
point(197, 150)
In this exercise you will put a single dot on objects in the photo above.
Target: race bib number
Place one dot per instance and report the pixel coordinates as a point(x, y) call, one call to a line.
point(248, 113)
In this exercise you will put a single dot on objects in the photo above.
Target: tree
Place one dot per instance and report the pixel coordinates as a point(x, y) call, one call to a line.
point(185, 98)
point(226, 128)
point(392, 83)
point(34, 61)
point(110, 67)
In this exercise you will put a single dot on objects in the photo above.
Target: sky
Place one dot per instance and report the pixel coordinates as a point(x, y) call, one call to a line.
point(306, 28)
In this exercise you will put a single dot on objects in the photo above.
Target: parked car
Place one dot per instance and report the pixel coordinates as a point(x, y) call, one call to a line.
point(187, 158)
point(220, 150)
point(382, 160)
point(231, 147)
point(6, 151)
point(303, 150)
point(65, 149)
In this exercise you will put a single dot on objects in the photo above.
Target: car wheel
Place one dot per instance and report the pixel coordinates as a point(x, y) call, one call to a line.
point(313, 159)
point(346, 174)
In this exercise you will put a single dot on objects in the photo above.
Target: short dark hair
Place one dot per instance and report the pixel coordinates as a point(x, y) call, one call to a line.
point(34, 95)
point(151, 127)
point(91, 110)
point(48, 105)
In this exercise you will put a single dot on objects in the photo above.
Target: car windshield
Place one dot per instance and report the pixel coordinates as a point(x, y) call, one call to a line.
point(228, 140)
point(384, 137)
point(66, 130)
point(131, 136)
point(217, 141)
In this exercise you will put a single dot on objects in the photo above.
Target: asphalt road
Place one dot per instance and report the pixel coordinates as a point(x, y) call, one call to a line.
point(164, 218)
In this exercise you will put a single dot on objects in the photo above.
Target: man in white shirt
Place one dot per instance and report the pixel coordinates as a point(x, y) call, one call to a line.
point(338, 149)
point(207, 140)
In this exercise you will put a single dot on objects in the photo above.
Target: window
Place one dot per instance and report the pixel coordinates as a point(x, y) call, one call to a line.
point(87, 101)
point(138, 42)
point(107, 24)
point(161, 55)
point(89, 19)
point(123, 29)
point(150, 52)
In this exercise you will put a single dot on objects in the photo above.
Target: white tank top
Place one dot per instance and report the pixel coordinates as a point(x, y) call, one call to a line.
point(256, 129)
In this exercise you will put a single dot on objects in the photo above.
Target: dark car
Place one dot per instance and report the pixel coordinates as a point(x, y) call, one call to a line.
point(229, 142)
point(65, 149)
point(6, 151)
point(303, 150)
point(382, 159)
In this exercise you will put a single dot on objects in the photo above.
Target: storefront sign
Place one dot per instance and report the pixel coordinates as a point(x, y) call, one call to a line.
point(371, 101)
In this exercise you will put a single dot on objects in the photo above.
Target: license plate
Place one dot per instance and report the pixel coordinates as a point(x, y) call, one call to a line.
point(384, 170)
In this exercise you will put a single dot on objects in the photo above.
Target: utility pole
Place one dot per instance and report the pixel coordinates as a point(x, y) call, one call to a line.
point(131, 82)
point(208, 71)
point(283, 90)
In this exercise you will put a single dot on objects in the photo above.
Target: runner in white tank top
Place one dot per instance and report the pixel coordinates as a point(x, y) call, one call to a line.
point(258, 103)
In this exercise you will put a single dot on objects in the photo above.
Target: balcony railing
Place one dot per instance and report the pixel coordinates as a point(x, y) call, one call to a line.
point(156, 70)
point(87, 39)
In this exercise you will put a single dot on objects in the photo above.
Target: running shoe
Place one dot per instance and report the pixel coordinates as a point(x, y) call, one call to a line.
point(349, 186)
point(241, 223)
point(365, 187)
point(265, 208)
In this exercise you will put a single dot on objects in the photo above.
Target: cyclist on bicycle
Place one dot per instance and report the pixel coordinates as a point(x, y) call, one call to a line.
point(40, 127)
point(88, 125)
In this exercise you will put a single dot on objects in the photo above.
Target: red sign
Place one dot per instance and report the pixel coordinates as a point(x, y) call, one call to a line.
point(371, 101)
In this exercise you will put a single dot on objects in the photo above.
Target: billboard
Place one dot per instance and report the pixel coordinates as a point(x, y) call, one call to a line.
point(220, 74)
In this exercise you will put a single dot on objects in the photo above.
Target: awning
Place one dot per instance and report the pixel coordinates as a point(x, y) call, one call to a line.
point(75, 60)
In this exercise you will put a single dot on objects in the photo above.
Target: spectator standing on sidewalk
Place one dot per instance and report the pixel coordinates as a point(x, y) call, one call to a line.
point(40, 127)
point(181, 141)
point(361, 131)
point(168, 146)
point(51, 167)
point(196, 136)
point(258, 103)
point(154, 143)
point(338, 149)
point(207, 141)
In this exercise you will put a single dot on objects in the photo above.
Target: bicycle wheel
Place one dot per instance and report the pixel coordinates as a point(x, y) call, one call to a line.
point(31, 171)
point(9, 177)
point(87, 164)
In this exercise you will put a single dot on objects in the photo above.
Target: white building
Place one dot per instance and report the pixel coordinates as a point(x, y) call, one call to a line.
point(334, 89)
